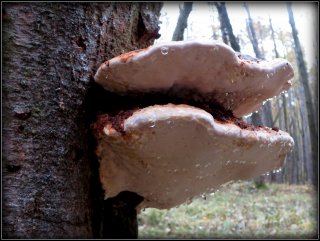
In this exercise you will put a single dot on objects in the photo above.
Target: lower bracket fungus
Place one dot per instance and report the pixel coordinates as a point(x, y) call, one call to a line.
point(190, 139)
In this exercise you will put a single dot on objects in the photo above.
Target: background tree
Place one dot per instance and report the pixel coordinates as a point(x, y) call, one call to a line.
point(51, 52)
point(288, 111)
point(264, 116)
point(312, 118)
point(279, 112)
point(252, 33)
point(182, 21)
point(256, 118)
point(226, 27)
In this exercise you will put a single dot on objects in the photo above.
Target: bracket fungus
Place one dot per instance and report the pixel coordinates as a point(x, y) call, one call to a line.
point(170, 152)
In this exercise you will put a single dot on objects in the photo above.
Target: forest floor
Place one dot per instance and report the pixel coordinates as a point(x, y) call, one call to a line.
point(238, 210)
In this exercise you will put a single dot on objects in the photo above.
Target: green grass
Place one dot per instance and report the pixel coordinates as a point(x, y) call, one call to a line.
point(238, 210)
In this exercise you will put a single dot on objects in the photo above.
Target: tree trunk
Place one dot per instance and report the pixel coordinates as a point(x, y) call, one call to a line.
point(223, 29)
point(273, 39)
point(280, 176)
point(252, 34)
point(226, 27)
point(293, 131)
point(51, 51)
point(310, 107)
point(306, 147)
point(182, 21)
point(265, 115)
point(256, 118)
point(260, 32)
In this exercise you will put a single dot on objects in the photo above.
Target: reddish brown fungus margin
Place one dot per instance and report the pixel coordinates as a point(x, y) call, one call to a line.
point(116, 121)
point(126, 56)
point(122, 107)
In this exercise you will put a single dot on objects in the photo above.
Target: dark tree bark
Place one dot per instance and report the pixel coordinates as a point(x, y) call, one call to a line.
point(120, 216)
point(182, 21)
point(226, 27)
point(51, 51)
point(223, 29)
point(309, 103)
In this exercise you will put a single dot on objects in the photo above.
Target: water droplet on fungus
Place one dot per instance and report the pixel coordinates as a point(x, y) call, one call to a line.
point(164, 50)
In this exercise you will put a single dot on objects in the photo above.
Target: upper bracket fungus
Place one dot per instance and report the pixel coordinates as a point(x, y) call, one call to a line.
point(170, 152)
point(213, 70)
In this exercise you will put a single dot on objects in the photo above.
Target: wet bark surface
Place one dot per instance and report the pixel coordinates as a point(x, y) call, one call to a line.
point(51, 51)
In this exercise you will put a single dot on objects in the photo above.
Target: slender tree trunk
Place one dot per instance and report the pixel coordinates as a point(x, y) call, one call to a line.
point(295, 152)
point(307, 157)
point(226, 27)
point(51, 51)
point(223, 28)
point(224, 32)
point(267, 107)
point(182, 21)
point(260, 38)
point(267, 114)
point(283, 95)
point(273, 39)
point(286, 128)
point(252, 34)
point(280, 176)
point(284, 106)
point(256, 118)
point(214, 36)
point(264, 117)
point(310, 107)
point(284, 101)
point(302, 160)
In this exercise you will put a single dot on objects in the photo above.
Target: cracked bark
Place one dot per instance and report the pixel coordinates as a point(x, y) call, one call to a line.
point(50, 53)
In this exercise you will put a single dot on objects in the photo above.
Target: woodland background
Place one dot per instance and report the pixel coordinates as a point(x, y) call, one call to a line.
point(282, 203)
point(294, 111)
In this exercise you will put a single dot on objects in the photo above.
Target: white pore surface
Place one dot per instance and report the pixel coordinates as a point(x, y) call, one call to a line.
point(171, 153)
point(239, 85)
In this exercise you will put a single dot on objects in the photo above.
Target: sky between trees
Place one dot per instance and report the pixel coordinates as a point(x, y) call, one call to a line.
point(204, 19)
